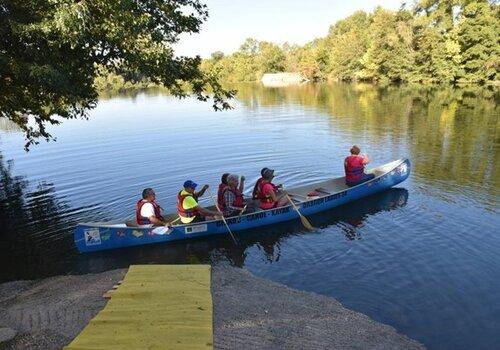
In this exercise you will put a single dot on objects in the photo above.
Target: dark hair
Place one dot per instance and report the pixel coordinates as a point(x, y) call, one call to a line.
point(263, 171)
point(223, 179)
point(147, 192)
point(268, 174)
point(355, 150)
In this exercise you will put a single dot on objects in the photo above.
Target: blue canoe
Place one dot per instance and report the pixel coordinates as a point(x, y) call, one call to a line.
point(91, 237)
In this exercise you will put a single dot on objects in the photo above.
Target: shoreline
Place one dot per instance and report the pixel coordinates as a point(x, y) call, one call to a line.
point(249, 313)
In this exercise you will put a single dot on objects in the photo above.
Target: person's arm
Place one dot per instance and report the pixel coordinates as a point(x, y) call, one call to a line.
point(201, 192)
point(268, 189)
point(206, 212)
point(147, 211)
point(229, 200)
point(366, 160)
point(242, 183)
point(273, 196)
point(156, 221)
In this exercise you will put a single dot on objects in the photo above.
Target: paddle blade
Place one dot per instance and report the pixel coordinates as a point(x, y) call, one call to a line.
point(306, 223)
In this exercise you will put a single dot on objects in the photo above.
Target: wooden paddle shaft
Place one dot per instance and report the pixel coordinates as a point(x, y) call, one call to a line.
point(223, 218)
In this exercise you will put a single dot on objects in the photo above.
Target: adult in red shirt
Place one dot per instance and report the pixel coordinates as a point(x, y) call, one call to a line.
point(256, 189)
point(354, 166)
point(270, 197)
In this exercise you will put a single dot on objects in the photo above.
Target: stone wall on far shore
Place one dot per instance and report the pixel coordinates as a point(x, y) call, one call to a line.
point(282, 79)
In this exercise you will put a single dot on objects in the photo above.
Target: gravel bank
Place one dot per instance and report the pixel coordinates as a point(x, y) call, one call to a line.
point(249, 313)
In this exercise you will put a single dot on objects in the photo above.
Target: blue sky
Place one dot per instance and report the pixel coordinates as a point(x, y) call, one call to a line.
point(297, 22)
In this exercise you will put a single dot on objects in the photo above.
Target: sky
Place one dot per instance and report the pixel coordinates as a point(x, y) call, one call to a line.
point(230, 22)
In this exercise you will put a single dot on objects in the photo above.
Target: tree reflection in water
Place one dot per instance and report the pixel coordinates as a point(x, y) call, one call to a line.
point(35, 238)
point(450, 131)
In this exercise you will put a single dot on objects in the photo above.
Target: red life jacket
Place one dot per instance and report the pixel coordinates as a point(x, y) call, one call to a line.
point(220, 195)
point(187, 213)
point(141, 220)
point(354, 168)
point(263, 198)
point(238, 199)
point(257, 192)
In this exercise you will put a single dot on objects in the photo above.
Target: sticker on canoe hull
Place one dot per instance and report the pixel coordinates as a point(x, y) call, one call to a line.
point(402, 169)
point(106, 236)
point(196, 228)
point(92, 236)
point(137, 233)
point(161, 231)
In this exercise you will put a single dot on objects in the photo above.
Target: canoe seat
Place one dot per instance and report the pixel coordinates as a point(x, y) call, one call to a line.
point(322, 190)
point(131, 223)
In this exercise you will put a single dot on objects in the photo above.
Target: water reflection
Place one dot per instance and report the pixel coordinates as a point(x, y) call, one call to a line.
point(35, 223)
point(451, 132)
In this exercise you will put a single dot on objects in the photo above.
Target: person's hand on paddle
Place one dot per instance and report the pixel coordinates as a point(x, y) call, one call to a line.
point(242, 210)
point(202, 191)
point(170, 224)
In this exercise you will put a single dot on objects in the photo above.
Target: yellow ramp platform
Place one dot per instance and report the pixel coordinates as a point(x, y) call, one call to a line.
point(156, 307)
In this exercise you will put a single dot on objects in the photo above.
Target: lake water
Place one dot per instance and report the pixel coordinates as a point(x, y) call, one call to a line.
point(422, 257)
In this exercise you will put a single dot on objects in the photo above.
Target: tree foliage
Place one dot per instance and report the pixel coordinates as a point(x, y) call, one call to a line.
point(434, 41)
point(51, 52)
point(478, 37)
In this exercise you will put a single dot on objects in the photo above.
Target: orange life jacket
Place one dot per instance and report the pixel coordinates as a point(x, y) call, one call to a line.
point(187, 213)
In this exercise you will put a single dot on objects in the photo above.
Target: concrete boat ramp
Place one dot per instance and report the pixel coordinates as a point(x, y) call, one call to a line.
point(183, 307)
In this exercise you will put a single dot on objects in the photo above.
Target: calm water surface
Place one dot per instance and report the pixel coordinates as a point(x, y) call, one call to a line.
point(423, 257)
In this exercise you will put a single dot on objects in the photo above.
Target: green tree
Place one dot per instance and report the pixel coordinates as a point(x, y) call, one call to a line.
point(271, 58)
point(439, 41)
point(51, 51)
point(217, 55)
point(437, 52)
point(347, 43)
point(311, 60)
point(478, 36)
point(390, 55)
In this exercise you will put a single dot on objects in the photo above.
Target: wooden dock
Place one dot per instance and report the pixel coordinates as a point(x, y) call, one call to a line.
point(155, 307)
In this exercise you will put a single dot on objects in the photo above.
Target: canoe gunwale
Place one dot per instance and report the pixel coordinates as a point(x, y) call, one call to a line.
point(299, 203)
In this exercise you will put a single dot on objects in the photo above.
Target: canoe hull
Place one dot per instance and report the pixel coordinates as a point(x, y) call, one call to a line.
point(100, 236)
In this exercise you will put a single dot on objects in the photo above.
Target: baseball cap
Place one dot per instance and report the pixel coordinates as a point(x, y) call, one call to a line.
point(190, 184)
point(268, 173)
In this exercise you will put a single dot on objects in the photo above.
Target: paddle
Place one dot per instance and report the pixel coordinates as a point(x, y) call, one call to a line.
point(243, 210)
point(223, 218)
point(171, 222)
point(303, 219)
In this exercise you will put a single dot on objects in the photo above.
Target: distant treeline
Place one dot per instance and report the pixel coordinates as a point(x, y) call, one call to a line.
point(436, 41)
